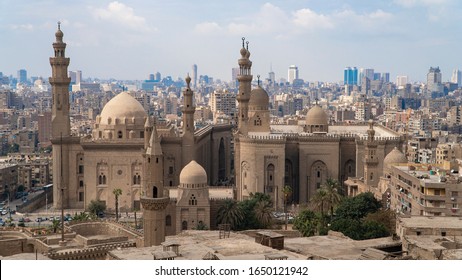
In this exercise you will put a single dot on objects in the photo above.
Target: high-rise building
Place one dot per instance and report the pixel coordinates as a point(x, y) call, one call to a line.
point(457, 77)
point(434, 80)
point(292, 73)
point(271, 76)
point(44, 129)
point(22, 76)
point(350, 76)
point(401, 81)
point(194, 75)
point(386, 77)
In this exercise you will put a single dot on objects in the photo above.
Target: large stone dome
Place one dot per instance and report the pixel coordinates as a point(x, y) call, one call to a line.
point(316, 116)
point(123, 106)
point(259, 98)
point(193, 175)
point(395, 156)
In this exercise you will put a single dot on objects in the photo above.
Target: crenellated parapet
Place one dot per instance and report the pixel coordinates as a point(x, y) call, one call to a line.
point(155, 203)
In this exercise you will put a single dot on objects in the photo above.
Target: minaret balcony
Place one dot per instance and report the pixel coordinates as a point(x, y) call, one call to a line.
point(155, 203)
point(371, 160)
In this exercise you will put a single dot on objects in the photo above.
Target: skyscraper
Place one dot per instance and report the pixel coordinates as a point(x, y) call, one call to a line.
point(457, 77)
point(350, 76)
point(292, 73)
point(194, 75)
point(401, 81)
point(434, 80)
point(22, 76)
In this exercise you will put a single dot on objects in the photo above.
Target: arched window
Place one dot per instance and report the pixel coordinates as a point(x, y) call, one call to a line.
point(134, 179)
point(192, 200)
point(100, 179)
point(104, 179)
point(154, 192)
point(138, 179)
point(184, 225)
point(372, 176)
point(119, 134)
point(168, 221)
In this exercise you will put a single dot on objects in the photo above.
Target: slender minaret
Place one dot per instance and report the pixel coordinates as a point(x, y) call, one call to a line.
point(59, 81)
point(188, 124)
point(371, 162)
point(60, 121)
point(245, 79)
point(153, 200)
point(147, 132)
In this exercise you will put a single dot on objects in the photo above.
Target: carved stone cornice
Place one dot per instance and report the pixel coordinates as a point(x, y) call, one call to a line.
point(155, 203)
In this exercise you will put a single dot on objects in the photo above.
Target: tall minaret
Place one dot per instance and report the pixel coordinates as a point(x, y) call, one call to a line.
point(60, 122)
point(59, 81)
point(147, 132)
point(188, 124)
point(245, 79)
point(371, 162)
point(153, 200)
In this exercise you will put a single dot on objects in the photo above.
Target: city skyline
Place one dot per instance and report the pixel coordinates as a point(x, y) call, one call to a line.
point(132, 39)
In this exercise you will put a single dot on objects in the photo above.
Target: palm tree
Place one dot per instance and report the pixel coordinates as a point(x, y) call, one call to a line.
point(332, 193)
point(286, 190)
point(230, 213)
point(55, 224)
point(263, 212)
point(117, 192)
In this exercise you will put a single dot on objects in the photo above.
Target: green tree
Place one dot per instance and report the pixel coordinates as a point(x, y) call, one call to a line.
point(230, 213)
point(320, 201)
point(263, 213)
point(117, 192)
point(333, 195)
point(20, 188)
point(358, 218)
point(96, 206)
point(358, 207)
point(55, 224)
point(385, 217)
point(306, 223)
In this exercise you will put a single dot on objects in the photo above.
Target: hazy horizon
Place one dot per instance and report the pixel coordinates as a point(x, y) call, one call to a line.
point(131, 39)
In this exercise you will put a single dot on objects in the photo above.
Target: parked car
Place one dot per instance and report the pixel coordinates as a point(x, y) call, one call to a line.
point(4, 212)
point(26, 220)
point(39, 219)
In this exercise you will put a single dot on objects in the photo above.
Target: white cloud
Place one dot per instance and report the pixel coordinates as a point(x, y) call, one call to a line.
point(26, 27)
point(121, 14)
point(309, 19)
point(207, 28)
point(269, 19)
point(413, 3)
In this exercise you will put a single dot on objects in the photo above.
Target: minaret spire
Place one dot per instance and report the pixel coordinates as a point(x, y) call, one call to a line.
point(245, 79)
point(60, 88)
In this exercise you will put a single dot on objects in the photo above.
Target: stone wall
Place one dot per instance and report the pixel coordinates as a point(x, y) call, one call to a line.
point(37, 202)
point(94, 253)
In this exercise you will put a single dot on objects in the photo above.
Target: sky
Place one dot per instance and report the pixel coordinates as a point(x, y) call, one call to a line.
point(130, 39)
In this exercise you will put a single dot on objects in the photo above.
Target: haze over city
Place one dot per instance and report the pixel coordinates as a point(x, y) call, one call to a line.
point(130, 39)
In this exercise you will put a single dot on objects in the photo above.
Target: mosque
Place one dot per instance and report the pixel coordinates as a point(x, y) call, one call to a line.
point(167, 171)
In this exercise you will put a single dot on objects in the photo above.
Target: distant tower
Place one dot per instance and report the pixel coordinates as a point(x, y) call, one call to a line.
point(22, 76)
point(194, 76)
point(350, 76)
point(244, 78)
point(292, 73)
point(457, 77)
point(434, 80)
point(271, 75)
point(153, 201)
point(371, 162)
point(60, 121)
point(188, 124)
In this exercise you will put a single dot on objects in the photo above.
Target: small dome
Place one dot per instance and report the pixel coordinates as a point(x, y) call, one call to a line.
point(316, 116)
point(395, 156)
point(123, 106)
point(259, 97)
point(193, 173)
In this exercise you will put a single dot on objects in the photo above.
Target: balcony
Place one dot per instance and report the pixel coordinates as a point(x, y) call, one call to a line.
point(435, 198)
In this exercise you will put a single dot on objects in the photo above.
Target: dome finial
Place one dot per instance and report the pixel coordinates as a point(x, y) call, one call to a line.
point(243, 42)
point(59, 25)
point(258, 80)
point(247, 45)
point(188, 81)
